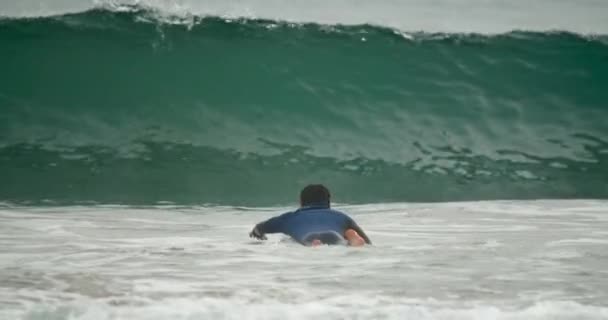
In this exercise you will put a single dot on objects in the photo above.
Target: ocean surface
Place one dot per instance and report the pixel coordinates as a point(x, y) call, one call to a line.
point(141, 140)
point(511, 260)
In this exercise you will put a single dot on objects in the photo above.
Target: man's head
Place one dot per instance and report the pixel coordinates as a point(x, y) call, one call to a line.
point(314, 195)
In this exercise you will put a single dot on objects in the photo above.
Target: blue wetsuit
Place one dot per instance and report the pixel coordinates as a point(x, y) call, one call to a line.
point(309, 223)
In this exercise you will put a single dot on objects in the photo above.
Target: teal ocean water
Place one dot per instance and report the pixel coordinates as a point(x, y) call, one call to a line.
point(141, 140)
point(124, 107)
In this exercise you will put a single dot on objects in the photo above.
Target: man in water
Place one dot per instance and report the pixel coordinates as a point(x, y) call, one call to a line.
point(314, 223)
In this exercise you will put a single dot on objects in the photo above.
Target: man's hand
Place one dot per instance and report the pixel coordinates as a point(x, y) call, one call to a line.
point(255, 233)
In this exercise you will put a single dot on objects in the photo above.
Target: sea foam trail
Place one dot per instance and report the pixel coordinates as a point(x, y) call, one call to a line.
point(479, 16)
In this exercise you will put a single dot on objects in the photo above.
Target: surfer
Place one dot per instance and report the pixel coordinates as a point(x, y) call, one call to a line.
point(314, 223)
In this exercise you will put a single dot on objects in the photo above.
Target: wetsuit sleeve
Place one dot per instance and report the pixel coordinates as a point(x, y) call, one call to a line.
point(272, 225)
point(353, 225)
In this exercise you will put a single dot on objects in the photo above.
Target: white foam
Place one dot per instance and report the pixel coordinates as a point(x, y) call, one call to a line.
point(183, 308)
point(471, 260)
point(583, 16)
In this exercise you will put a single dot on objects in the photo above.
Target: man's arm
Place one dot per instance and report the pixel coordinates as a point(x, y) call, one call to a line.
point(272, 225)
point(353, 225)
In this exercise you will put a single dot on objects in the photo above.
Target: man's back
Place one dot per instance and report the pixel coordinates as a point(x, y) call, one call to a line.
point(314, 222)
point(304, 221)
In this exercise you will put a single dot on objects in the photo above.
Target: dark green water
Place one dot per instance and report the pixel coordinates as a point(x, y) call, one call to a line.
point(121, 108)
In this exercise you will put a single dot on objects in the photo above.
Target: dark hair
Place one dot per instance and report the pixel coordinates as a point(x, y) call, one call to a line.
point(314, 194)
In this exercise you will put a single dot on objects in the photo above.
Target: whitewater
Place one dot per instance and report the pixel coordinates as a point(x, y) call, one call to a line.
point(476, 260)
point(140, 141)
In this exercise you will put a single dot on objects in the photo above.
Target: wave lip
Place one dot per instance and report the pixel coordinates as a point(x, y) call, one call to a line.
point(477, 16)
